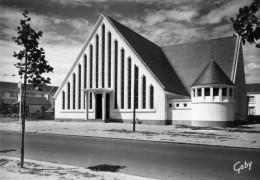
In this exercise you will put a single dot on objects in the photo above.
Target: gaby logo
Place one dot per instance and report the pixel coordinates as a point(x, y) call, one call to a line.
point(238, 166)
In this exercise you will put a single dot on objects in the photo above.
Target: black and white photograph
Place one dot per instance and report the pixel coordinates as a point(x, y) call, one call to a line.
point(130, 89)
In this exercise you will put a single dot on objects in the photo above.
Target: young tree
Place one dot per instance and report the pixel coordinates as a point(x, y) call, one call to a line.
point(31, 65)
point(247, 25)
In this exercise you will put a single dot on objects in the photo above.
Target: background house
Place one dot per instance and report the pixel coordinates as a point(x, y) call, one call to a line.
point(253, 93)
point(37, 99)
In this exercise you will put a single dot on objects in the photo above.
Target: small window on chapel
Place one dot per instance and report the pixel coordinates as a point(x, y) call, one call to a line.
point(224, 91)
point(185, 105)
point(170, 105)
point(215, 91)
point(177, 105)
point(199, 92)
point(207, 91)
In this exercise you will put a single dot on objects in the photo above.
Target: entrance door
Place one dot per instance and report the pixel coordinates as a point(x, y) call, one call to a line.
point(107, 106)
point(98, 106)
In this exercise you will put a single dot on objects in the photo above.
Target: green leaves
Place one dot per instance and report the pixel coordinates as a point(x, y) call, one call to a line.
point(31, 53)
point(247, 25)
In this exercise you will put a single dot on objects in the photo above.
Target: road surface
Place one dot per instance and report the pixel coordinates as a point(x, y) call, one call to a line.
point(149, 159)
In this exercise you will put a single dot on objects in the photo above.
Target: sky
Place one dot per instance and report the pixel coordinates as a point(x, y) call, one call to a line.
point(66, 25)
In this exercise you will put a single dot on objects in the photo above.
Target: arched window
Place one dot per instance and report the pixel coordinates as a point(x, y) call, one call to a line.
point(103, 56)
point(63, 100)
point(129, 83)
point(122, 78)
point(97, 57)
point(116, 71)
point(144, 92)
point(109, 59)
point(79, 87)
point(91, 66)
point(151, 97)
point(136, 80)
point(68, 90)
point(74, 91)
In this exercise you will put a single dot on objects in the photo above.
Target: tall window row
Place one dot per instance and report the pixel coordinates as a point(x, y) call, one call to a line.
point(96, 76)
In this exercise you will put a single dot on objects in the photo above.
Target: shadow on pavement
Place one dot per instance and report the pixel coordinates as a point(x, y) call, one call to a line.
point(106, 167)
point(8, 150)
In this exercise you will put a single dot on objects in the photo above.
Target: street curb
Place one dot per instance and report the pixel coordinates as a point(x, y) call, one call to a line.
point(168, 142)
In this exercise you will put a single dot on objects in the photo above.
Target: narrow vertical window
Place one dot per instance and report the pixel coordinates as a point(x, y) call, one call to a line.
point(122, 78)
point(91, 66)
point(63, 100)
point(129, 83)
point(97, 57)
point(109, 59)
point(103, 56)
point(79, 87)
point(116, 64)
point(90, 100)
point(74, 91)
point(151, 97)
point(136, 87)
point(85, 71)
point(68, 86)
point(144, 92)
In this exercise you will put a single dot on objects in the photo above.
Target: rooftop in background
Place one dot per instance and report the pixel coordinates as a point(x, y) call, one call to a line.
point(10, 86)
point(253, 88)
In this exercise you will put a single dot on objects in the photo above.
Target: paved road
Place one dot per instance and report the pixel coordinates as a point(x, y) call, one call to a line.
point(149, 159)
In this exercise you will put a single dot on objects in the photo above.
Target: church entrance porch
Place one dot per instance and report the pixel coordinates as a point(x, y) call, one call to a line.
point(102, 102)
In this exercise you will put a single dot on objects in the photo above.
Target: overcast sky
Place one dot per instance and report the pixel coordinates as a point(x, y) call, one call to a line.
point(66, 25)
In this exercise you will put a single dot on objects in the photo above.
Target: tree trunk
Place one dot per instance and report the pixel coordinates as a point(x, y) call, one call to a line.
point(24, 112)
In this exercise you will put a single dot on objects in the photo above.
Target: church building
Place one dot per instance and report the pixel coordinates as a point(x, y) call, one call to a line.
point(199, 84)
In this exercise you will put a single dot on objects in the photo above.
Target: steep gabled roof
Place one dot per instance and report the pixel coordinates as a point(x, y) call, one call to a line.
point(189, 59)
point(212, 74)
point(253, 88)
point(152, 57)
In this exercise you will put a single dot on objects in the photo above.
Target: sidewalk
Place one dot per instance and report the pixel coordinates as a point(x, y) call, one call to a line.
point(247, 136)
point(9, 170)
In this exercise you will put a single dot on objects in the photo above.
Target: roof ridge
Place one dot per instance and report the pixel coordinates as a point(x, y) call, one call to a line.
point(198, 41)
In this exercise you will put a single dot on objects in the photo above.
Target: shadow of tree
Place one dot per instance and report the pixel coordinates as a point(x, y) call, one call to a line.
point(106, 167)
point(8, 150)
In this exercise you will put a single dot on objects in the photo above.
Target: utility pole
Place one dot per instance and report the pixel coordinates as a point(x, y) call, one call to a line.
point(135, 95)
